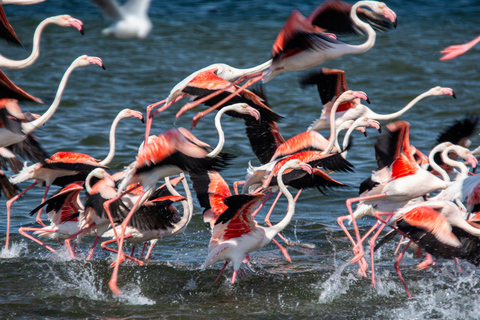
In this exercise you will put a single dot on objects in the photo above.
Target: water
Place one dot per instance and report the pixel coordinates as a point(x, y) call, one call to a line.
point(190, 35)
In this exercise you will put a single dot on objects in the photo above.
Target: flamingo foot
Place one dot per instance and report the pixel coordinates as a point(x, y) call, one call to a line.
point(428, 262)
point(113, 286)
point(118, 261)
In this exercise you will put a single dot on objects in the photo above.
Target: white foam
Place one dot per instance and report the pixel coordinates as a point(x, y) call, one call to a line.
point(15, 250)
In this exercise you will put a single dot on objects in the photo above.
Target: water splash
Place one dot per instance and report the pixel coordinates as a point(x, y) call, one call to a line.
point(15, 250)
point(337, 284)
point(132, 294)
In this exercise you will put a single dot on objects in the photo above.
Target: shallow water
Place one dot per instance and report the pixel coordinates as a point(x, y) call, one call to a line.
point(319, 283)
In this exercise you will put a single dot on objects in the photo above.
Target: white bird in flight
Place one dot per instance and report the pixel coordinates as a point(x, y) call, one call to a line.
point(131, 18)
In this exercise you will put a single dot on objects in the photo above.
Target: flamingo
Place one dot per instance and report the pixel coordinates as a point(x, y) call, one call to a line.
point(131, 18)
point(65, 167)
point(61, 20)
point(19, 131)
point(202, 84)
point(236, 234)
point(459, 49)
point(157, 218)
point(331, 83)
point(440, 229)
point(63, 210)
point(301, 45)
point(390, 186)
point(169, 154)
point(9, 90)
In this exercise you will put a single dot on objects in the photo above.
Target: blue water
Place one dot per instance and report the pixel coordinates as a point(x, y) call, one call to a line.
point(187, 36)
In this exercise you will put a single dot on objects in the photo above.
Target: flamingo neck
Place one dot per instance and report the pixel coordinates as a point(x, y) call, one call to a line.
point(272, 231)
point(221, 135)
point(187, 205)
point(371, 35)
point(391, 116)
point(32, 125)
point(434, 165)
point(342, 127)
point(346, 138)
point(333, 127)
point(261, 67)
point(88, 186)
point(111, 152)
point(456, 164)
point(19, 64)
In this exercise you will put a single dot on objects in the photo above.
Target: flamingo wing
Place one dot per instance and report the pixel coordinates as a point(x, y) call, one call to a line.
point(264, 137)
point(9, 90)
point(431, 221)
point(65, 205)
point(331, 83)
point(158, 214)
point(29, 149)
point(6, 29)
point(459, 132)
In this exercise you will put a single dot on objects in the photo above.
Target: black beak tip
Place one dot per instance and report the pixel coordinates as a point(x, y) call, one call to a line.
point(380, 130)
point(365, 133)
point(103, 67)
point(82, 31)
point(454, 95)
point(474, 170)
point(143, 120)
point(368, 100)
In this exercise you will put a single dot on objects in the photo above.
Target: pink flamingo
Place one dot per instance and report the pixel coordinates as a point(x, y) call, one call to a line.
point(62, 21)
point(331, 83)
point(63, 210)
point(301, 45)
point(236, 234)
point(63, 168)
point(459, 49)
point(169, 154)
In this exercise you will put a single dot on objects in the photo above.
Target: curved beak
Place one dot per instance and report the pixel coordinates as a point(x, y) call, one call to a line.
point(77, 24)
point(96, 60)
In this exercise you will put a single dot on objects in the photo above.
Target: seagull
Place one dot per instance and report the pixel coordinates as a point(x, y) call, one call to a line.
point(131, 18)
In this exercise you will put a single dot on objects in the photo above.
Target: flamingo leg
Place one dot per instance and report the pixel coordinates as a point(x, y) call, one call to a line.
point(236, 92)
point(283, 250)
point(362, 263)
point(260, 206)
point(67, 241)
point(221, 271)
point(39, 219)
point(133, 250)
point(143, 248)
point(92, 249)
point(399, 245)
point(103, 245)
point(120, 256)
point(23, 230)
point(9, 206)
point(236, 184)
point(195, 103)
point(396, 265)
point(428, 261)
point(152, 244)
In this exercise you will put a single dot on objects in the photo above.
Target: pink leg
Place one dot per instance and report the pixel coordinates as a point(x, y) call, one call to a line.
point(234, 276)
point(9, 206)
point(396, 265)
point(425, 263)
point(221, 271)
point(143, 248)
point(236, 184)
point(92, 249)
point(203, 113)
point(457, 50)
point(23, 230)
point(458, 264)
point(120, 256)
point(260, 206)
point(399, 245)
point(283, 249)
point(372, 245)
point(103, 245)
point(39, 219)
point(133, 250)
point(362, 263)
point(67, 241)
point(193, 104)
point(150, 250)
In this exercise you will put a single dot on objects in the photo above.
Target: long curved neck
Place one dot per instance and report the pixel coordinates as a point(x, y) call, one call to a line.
point(221, 135)
point(434, 165)
point(333, 127)
point(187, 205)
point(261, 67)
point(19, 64)
point(346, 138)
point(275, 229)
point(88, 186)
point(391, 116)
point(32, 125)
point(457, 164)
point(371, 35)
point(111, 152)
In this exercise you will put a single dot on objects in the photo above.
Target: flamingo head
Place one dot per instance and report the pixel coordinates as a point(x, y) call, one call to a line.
point(439, 91)
point(350, 95)
point(66, 20)
point(244, 108)
point(85, 60)
point(128, 113)
point(380, 9)
point(374, 124)
point(299, 165)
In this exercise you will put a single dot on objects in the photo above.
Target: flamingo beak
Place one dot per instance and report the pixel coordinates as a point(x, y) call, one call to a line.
point(472, 161)
point(138, 115)
point(77, 24)
point(375, 124)
point(306, 167)
point(96, 60)
point(390, 15)
point(254, 113)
